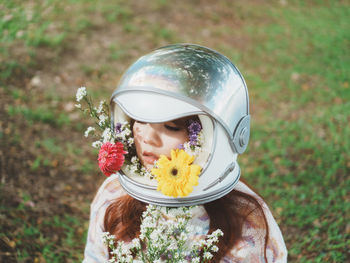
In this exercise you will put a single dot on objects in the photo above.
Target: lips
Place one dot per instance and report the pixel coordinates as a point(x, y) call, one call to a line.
point(149, 157)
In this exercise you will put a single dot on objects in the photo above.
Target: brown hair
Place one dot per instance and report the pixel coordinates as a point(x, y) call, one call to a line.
point(123, 219)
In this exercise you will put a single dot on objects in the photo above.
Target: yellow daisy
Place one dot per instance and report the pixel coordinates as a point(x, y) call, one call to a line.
point(176, 177)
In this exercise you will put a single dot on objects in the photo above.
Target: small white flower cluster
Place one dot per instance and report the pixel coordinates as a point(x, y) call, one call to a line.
point(107, 135)
point(101, 115)
point(208, 245)
point(81, 93)
point(124, 134)
point(108, 238)
point(121, 252)
point(135, 167)
point(164, 234)
point(88, 131)
point(97, 144)
point(102, 119)
point(100, 107)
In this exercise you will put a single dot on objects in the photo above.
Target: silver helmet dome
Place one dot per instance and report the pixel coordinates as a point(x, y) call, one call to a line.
point(182, 80)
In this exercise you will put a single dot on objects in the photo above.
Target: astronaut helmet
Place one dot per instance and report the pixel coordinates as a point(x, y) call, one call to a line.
point(204, 87)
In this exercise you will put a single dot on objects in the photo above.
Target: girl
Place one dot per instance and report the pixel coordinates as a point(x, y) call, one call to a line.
point(182, 113)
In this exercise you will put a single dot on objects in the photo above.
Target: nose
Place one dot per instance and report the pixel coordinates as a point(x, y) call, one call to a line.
point(151, 135)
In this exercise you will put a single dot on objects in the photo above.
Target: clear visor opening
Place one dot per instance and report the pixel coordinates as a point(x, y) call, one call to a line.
point(199, 143)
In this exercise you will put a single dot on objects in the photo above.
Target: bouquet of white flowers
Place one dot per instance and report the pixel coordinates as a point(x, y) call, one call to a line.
point(164, 238)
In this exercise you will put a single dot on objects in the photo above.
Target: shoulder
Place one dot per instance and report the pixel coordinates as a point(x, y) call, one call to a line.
point(242, 187)
point(108, 192)
point(95, 249)
point(253, 234)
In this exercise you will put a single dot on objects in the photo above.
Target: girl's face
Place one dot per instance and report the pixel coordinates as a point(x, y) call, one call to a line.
point(154, 139)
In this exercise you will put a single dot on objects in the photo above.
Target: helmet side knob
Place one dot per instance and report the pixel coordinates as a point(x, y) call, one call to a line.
point(241, 134)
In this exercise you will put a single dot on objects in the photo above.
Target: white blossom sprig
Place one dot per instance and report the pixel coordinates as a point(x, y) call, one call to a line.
point(102, 131)
point(81, 93)
point(88, 131)
point(100, 114)
point(164, 238)
point(134, 166)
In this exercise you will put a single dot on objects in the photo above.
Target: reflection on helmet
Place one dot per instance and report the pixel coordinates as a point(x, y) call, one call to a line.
point(183, 80)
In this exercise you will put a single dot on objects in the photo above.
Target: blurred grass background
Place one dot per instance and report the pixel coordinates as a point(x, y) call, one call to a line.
point(295, 58)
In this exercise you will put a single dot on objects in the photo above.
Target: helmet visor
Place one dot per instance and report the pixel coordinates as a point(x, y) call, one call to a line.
point(153, 107)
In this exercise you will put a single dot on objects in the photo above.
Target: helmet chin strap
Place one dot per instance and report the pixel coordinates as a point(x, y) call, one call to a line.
point(228, 170)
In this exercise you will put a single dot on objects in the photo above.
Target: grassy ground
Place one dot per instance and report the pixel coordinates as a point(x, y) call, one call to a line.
point(296, 60)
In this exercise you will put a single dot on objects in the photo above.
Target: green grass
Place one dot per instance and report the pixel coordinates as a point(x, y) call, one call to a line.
point(28, 27)
point(29, 236)
point(43, 115)
point(302, 161)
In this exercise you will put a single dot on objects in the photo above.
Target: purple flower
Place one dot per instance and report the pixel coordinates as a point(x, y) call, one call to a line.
point(118, 127)
point(193, 139)
point(194, 127)
point(181, 147)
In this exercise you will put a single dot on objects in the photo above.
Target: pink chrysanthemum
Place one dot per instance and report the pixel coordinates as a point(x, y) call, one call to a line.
point(111, 157)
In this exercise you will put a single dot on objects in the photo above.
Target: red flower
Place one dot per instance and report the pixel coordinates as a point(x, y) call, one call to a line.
point(111, 157)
